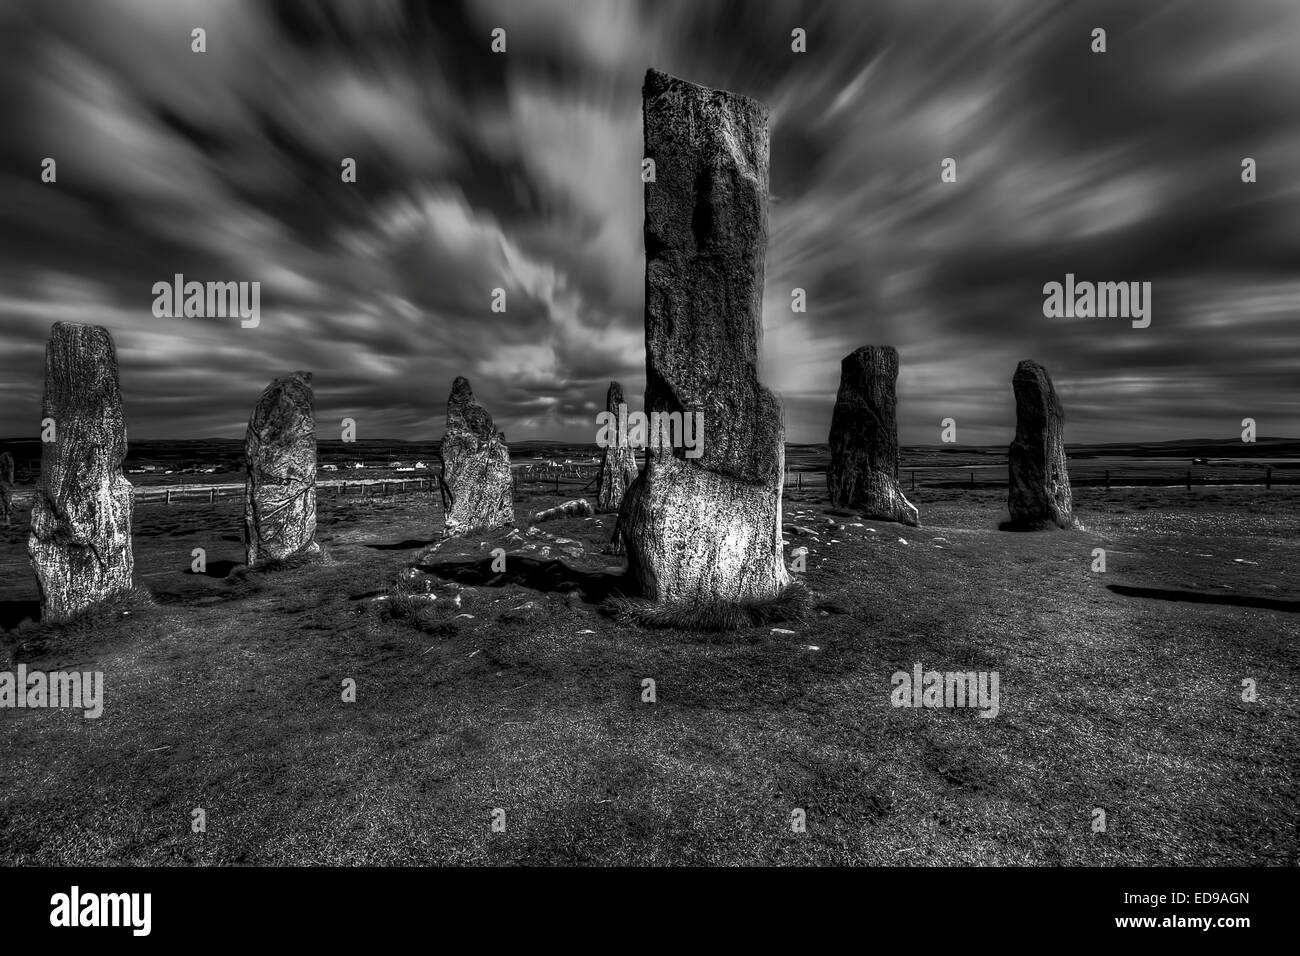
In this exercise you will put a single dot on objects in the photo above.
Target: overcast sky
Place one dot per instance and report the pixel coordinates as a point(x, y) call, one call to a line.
point(522, 171)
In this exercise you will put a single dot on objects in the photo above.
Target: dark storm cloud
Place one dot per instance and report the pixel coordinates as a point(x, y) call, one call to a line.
point(479, 171)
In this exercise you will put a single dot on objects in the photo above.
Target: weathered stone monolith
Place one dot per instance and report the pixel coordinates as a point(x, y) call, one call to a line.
point(863, 471)
point(1039, 492)
point(80, 541)
point(707, 529)
point(618, 463)
point(6, 488)
point(280, 487)
point(477, 484)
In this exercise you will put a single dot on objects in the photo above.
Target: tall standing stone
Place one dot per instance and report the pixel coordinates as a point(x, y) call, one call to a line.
point(80, 541)
point(477, 484)
point(618, 463)
point(280, 487)
point(6, 488)
point(863, 472)
point(1039, 492)
point(706, 529)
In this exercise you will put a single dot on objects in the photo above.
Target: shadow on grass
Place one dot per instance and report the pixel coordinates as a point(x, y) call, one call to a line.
point(13, 613)
point(546, 576)
point(214, 569)
point(79, 631)
point(793, 604)
point(1040, 527)
point(1199, 597)
point(408, 545)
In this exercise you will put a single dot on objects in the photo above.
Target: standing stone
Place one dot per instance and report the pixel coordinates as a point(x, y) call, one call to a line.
point(80, 541)
point(863, 472)
point(6, 487)
point(618, 463)
point(477, 484)
point(280, 488)
point(1039, 495)
point(707, 529)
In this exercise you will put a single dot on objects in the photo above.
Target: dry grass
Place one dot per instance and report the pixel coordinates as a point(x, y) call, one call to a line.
point(519, 691)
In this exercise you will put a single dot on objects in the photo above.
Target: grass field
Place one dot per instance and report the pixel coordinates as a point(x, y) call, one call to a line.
point(1120, 690)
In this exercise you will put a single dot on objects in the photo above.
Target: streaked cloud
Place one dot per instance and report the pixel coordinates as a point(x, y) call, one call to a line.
point(521, 172)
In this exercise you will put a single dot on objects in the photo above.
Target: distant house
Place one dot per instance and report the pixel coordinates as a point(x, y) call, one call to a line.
point(329, 467)
point(396, 465)
point(420, 465)
point(357, 465)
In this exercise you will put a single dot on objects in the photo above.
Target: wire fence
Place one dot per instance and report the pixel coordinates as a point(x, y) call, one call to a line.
point(579, 477)
point(1211, 477)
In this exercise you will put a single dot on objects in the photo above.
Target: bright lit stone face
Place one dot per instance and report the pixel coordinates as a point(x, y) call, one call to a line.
point(80, 542)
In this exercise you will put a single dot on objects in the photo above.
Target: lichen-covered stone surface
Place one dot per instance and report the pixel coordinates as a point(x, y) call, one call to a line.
point(477, 484)
point(706, 529)
point(80, 541)
point(280, 488)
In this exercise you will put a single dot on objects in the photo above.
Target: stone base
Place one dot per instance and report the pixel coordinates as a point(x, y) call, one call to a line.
point(697, 536)
point(482, 493)
point(285, 556)
point(78, 567)
point(1033, 501)
point(882, 500)
point(291, 532)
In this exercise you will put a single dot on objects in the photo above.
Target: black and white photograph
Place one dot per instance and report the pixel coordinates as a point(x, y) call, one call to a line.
point(650, 434)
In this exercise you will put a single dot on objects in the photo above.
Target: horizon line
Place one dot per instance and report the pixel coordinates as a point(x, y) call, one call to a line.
point(558, 441)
